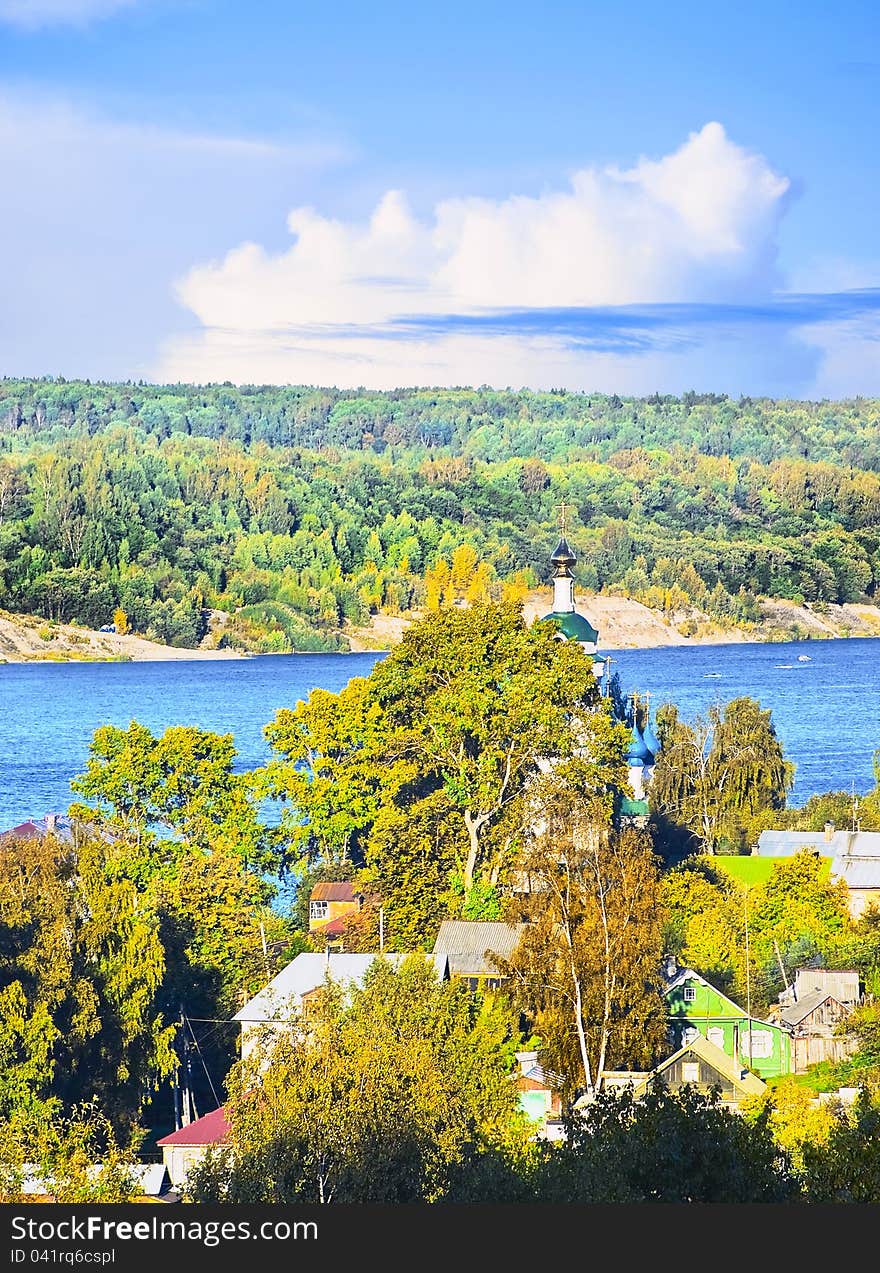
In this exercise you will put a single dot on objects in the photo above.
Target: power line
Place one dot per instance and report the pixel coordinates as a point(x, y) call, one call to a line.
point(202, 1059)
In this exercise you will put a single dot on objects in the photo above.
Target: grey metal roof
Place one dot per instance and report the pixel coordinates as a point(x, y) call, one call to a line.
point(836, 844)
point(310, 970)
point(468, 943)
point(795, 1014)
point(841, 983)
point(859, 872)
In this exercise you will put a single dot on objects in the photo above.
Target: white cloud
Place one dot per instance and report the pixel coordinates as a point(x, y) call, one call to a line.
point(38, 13)
point(849, 357)
point(697, 225)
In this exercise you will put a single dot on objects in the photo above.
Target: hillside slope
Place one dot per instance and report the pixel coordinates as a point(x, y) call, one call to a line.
point(626, 624)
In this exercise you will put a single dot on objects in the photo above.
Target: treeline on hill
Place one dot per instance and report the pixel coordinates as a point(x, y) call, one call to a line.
point(296, 509)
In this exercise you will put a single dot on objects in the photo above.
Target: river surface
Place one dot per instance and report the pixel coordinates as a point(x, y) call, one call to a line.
point(826, 710)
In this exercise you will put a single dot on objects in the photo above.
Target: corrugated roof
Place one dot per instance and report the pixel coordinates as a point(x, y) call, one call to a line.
point(468, 943)
point(858, 872)
point(841, 983)
point(839, 843)
point(210, 1129)
point(152, 1178)
point(310, 970)
point(795, 1014)
point(343, 891)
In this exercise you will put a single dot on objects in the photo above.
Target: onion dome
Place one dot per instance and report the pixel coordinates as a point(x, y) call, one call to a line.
point(574, 626)
point(652, 742)
point(638, 753)
point(563, 557)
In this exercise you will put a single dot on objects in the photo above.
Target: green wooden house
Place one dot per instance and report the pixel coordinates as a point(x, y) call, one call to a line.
point(696, 1007)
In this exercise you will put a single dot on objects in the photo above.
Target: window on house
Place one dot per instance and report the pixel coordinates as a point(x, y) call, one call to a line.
point(318, 910)
point(690, 994)
point(690, 1072)
point(762, 1044)
point(688, 1034)
point(715, 1035)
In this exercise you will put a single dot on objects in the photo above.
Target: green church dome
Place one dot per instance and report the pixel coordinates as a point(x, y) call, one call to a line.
point(574, 626)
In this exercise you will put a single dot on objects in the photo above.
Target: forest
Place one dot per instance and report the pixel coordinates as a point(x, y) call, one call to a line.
point(293, 510)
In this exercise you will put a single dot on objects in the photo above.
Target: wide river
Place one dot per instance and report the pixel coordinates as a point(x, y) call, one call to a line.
point(826, 710)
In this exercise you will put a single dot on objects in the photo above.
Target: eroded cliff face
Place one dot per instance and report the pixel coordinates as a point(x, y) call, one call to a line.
point(627, 624)
point(28, 638)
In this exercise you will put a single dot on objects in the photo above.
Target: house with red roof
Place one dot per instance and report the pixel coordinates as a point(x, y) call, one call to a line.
point(331, 905)
point(189, 1145)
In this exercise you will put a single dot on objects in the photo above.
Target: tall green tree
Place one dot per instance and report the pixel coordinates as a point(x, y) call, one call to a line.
point(462, 713)
point(719, 774)
point(183, 783)
point(81, 971)
point(382, 1094)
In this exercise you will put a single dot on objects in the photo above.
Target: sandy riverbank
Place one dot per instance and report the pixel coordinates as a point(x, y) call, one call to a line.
point(624, 624)
point(27, 639)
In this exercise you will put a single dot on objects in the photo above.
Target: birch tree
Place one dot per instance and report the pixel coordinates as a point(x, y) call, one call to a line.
point(587, 969)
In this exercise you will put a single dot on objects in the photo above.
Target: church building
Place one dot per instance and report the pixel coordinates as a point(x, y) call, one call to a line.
point(644, 744)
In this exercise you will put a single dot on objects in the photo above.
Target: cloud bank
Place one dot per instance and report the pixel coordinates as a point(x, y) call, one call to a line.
point(658, 276)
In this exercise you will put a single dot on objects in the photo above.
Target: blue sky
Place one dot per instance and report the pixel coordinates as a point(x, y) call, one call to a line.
point(624, 197)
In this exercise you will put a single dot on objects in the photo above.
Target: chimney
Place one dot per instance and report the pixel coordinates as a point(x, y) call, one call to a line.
point(829, 831)
point(527, 1061)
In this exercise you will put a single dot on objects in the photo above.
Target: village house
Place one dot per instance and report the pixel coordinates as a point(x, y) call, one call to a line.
point(183, 1149)
point(291, 991)
point(55, 824)
point(812, 1009)
point(331, 906)
point(854, 858)
point(539, 1095)
point(695, 1008)
point(699, 1064)
point(472, 947)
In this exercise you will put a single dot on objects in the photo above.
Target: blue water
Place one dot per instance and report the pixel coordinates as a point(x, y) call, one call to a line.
point(826, 711)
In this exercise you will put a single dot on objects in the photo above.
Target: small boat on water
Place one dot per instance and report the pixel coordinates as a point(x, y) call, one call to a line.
point(804, 658)
point(706, 675)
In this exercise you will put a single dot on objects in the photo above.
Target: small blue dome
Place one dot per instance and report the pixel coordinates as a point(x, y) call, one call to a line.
point(652, 742)
point(637, 752)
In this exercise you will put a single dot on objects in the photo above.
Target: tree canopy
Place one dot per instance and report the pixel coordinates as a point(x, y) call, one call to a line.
point(438, 747)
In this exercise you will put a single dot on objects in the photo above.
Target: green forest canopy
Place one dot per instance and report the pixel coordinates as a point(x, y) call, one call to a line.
point(294, 509)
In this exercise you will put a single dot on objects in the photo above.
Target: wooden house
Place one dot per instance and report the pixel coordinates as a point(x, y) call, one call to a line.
point(812, 1021)
point(331, 905)
point(472, 946)
point(695, 1007)
point(539, 1091)
point(699, 1064)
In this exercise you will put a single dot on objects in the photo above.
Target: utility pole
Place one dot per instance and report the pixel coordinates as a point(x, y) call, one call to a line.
point(748, 974)
point(781, 965)
point(265, 951)
point(187, 1104)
